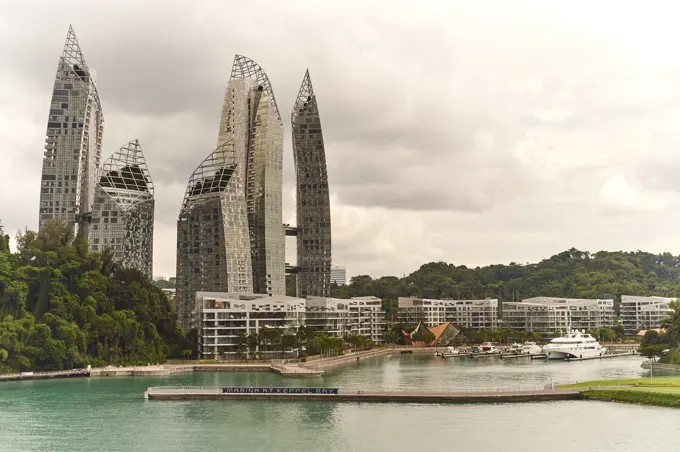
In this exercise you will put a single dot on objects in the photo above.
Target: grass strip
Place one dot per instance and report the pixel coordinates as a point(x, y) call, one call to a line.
point(660, 381)
point(671, 400)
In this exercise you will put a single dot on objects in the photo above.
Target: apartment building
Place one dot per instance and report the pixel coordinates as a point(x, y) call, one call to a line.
point(366, 318)
point(550, 315)
point(478, 315)
point(224, 319)
point(328, 315)
point(362, 316)
point(641, 313)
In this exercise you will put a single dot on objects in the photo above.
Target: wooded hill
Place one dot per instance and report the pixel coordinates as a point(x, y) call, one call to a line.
point(63, 307)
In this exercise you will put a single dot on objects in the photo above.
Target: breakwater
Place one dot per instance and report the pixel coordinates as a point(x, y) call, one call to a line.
point(335, 395)
point(75, 373)
point(287, 370)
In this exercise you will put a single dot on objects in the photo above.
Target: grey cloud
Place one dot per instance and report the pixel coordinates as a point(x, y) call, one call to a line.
point(422, 107)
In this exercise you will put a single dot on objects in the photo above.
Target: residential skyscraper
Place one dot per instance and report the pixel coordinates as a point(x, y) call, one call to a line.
point(313, 201)
point(213, 246)
point(123, 211)
point(252, 123)
point(73, 143)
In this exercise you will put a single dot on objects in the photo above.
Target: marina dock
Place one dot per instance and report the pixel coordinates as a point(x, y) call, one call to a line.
point(336, 395)
point(612, 355)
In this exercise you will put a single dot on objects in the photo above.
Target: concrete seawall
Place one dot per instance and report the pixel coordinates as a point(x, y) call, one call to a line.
point(336, 361)
point(369, 397)
point(46, 375)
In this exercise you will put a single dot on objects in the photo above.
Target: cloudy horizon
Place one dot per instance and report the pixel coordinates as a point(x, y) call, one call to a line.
point(468, 133)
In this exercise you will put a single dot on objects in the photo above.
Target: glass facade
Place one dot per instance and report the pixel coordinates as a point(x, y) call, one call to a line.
point(213, 245)
point(313, 200)
point(123, 211)
point(252, 123)
point(73, 143)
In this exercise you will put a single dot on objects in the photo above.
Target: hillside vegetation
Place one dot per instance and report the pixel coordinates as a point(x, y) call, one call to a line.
point(63, 307)
point(571, 273)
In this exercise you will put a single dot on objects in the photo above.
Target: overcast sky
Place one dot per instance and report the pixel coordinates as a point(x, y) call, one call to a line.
point(468, 132)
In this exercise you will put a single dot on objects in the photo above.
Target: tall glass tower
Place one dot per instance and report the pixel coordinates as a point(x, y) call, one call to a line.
point(213, 245)
point(252, 123)
point(73, 144)
point(123, 212)
point(313, 201)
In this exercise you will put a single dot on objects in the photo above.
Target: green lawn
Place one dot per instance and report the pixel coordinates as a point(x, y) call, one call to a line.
point(656, 382)
point(659, 389)
point(642, 396)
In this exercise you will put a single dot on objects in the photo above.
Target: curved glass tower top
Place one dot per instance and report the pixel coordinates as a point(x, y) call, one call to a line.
point(73, 141)
point(213, 246)
point(245, 68)
point(252, 122)
point(313, 199)
point(210, 178)
point(123, 211)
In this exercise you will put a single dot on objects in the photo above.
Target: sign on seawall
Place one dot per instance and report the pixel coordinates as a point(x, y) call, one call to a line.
point(279, 390)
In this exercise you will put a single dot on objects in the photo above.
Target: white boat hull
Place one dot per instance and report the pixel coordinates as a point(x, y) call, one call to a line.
point(564, 353)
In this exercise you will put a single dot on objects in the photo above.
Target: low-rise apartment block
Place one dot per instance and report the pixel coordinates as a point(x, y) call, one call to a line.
point(643, 313)
point(223, 320)
point(362, 316)
point(474, 314)
point(328, 315)
point(552, 315)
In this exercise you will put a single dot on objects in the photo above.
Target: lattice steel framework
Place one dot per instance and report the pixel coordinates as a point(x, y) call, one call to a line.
point(123, 212)
point(313, 200)
point(213, 248)
point(244, 67)
point(252, 122)
point(73, 143)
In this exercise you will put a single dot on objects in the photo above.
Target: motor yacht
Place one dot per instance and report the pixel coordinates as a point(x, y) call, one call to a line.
point(575, 344)
point(450, 352)
point(514, 349)
point(486, 348)
point(531, 348)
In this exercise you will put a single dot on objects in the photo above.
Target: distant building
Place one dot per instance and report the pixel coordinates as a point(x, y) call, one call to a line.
point(361, 316)
point(642, 313)
point(477, 315)
point(224, 320)
point(159, 278)
point(552, 315)
point(338, 275)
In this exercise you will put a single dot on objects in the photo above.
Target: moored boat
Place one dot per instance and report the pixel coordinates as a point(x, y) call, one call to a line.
point(449, 352)
point(575, 344)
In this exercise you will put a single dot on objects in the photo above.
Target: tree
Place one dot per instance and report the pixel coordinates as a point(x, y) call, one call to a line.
point(59, 311)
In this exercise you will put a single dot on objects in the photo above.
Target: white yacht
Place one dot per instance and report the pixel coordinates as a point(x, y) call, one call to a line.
point(528, 348)
point(450, 352)
point(576, 344)
point(531, 348)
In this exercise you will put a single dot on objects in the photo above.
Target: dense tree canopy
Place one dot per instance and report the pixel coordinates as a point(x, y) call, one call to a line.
point(62, 307)
point(572, 273)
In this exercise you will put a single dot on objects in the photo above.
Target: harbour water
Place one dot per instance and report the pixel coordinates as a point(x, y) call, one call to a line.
point(110, 414)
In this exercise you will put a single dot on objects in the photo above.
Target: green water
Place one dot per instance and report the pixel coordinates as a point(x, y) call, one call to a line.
point(110, 414)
